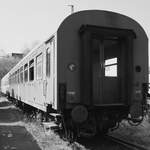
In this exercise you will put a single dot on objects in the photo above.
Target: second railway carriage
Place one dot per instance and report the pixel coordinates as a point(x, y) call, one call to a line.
point(32, 79)
point(93, 71)
point(5, 84)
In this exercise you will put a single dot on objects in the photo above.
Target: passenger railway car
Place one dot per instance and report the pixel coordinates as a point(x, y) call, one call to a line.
point(93, 72)
point(5, 84)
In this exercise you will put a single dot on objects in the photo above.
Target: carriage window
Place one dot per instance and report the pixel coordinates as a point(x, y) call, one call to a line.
point(18, 76)
point(21, 75)
point(12, 78)
point(25, 72)
point(111, 67)
point(10, 82)
point(48, 62)
point(31, 70)
point(9, 79)
point(51, 48)
point(15, 77)
point(39, 67)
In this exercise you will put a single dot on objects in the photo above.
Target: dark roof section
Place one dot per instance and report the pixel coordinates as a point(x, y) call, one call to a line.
point(101, 30)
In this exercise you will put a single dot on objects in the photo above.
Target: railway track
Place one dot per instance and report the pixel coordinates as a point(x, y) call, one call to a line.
point(126, 144)
point(123, 143)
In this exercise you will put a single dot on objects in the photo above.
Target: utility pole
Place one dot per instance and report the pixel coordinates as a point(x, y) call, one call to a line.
point(72, 8)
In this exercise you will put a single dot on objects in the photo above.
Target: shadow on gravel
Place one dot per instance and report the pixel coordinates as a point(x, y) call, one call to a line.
point(10, 115)
point(5, 103)
point(95, 143)
point(16, 138)
point(13, 134)
point(8, 112)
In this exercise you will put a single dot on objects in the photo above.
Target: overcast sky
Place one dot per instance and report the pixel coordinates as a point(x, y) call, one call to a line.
point(22, 22)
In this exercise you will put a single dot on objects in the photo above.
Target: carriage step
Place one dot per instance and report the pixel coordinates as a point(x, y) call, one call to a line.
point(50, 125)
point(55, 115)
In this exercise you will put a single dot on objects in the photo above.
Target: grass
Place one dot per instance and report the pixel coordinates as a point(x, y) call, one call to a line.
point(46, 139)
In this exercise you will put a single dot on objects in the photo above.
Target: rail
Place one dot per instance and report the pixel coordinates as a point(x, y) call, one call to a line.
point(126, 144)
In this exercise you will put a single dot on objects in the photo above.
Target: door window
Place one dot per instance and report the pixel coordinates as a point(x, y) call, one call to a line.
point(49, 51)
point(110, 67)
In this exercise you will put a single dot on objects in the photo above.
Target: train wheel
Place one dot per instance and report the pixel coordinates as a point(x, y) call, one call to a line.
point(68, 131)
point(69, 135)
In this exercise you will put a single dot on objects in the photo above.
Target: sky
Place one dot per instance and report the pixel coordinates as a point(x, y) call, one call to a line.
point(24, 22)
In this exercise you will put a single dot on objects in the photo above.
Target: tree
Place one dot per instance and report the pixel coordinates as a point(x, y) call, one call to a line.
point(6, 64)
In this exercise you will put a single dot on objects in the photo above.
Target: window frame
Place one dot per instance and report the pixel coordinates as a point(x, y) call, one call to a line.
point(38, 63)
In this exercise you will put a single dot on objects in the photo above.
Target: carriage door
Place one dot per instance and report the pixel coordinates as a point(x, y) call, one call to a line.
point(106, 60)
point(49, 72)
